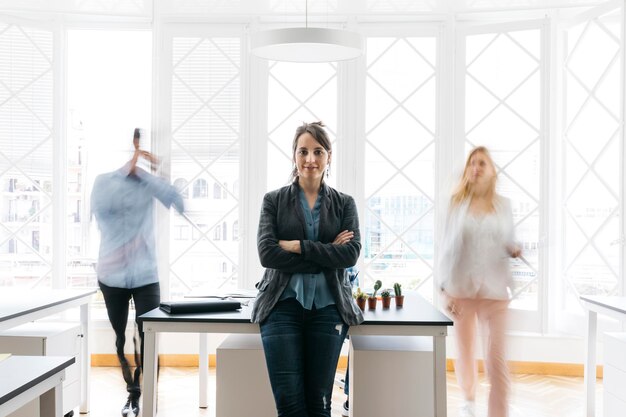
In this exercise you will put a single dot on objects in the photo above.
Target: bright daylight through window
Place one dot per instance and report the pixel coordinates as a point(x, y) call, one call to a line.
point(109, 94)
point(542, 89)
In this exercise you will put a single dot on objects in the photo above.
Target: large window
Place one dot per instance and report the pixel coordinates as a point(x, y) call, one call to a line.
point(108, 95)
point(203, 139)
point(504, 98)
point(26, 141)
point(544, 93)
point(399, 176)
point(592, 159)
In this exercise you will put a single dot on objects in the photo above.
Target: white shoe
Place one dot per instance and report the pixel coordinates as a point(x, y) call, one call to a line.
point(468, 409)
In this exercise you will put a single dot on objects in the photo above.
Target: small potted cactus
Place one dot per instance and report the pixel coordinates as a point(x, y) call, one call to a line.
point(371, 301)
point(385, 295)
point(397, 289)
point(360, 298)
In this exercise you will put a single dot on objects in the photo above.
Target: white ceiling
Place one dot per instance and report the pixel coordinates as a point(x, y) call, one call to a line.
point(281, 8)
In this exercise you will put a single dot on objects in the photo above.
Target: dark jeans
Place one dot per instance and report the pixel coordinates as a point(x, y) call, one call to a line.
point(117, 301)
point(302, 348)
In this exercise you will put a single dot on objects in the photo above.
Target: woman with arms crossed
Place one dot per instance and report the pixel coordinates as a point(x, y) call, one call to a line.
point(476, 278)
point(308, 234)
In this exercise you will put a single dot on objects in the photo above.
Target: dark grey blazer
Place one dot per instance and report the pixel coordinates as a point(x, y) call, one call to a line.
point(282, 218)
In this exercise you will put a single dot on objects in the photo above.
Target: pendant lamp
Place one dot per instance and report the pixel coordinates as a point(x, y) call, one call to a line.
point(307, 44)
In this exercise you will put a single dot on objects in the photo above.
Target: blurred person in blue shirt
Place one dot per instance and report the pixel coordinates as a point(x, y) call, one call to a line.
point(122, 202)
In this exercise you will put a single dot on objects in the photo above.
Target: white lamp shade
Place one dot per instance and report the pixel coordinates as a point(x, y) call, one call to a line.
point(307, 45)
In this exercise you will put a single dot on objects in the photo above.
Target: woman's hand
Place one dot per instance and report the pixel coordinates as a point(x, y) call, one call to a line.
point(514, 251)
point(343, 237)
point(293, 246)
point(450, 304)
point(290, 245)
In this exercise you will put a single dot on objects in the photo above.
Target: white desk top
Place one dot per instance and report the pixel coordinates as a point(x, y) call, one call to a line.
point(416, 312)
point(20, 373)
point(16, 302)
point(615, 303)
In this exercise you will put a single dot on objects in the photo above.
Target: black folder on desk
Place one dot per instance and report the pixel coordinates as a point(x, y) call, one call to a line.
point(204, 306)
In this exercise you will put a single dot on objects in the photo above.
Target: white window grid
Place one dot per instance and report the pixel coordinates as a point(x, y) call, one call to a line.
point(575, 37)
point(592, 166)
point(502, 101)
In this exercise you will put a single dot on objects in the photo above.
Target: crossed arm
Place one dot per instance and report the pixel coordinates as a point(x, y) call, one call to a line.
point(307, 256)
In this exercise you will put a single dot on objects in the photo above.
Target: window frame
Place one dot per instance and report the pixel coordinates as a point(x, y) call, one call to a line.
point(164, 32)
point(562, 320)
point(521, 320)
point(350, 167)
point(354, 162)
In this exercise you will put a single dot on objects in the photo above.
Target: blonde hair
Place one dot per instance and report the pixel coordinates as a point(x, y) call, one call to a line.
point(464, 189)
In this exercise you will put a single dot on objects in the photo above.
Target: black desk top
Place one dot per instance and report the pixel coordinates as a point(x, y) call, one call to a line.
point(416, 312)
point(611, 302)
point(15, 302)
point(20, 373)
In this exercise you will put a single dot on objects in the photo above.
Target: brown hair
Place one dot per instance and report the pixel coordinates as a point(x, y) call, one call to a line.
point(463, 190)
point(315, 129)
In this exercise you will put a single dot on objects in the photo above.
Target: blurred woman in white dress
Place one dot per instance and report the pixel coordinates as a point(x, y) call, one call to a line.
point(476, 279)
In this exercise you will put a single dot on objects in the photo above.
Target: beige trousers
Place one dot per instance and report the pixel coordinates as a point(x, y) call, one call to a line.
point(491, 315)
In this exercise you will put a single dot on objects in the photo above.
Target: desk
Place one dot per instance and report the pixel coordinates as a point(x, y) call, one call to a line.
point(417, 318)
point(20, 305)
point(24, 378)
point(613, 307)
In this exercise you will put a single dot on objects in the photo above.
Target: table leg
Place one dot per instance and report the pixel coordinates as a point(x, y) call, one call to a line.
point(149, 373)
point(440, 383)
point(85, 358)
point(51, 401)
point(204, 370)
point(351, 378)
point(590, 364)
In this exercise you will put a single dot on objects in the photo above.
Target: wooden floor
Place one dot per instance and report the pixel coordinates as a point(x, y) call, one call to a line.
point(532, 395)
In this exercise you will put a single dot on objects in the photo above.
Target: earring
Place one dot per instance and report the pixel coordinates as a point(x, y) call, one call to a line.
point(327, 171)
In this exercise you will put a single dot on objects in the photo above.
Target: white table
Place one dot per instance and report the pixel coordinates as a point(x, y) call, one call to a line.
point(21, 305)
point(417, 318)
point(610, 306)
point(24, 378)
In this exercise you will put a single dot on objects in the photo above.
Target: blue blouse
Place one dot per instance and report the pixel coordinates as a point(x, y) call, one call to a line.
point(310, 289)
